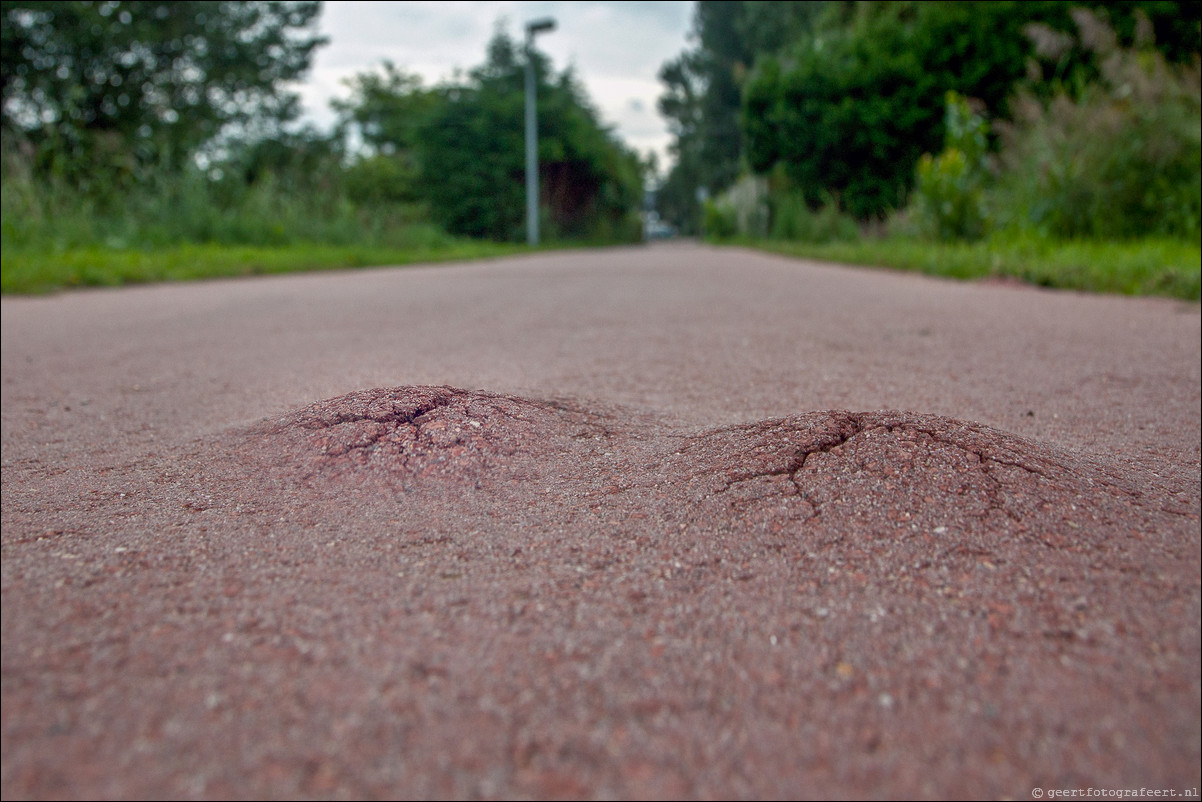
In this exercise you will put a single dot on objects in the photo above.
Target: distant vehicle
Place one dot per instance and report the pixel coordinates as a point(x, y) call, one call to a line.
point(654, 229)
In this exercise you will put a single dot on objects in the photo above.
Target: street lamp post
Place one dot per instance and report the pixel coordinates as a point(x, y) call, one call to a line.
point(532, 29)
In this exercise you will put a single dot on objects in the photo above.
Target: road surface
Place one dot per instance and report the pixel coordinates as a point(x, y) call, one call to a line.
point(667, 521)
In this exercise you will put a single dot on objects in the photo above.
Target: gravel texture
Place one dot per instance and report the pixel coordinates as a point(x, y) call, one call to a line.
point(655, 522)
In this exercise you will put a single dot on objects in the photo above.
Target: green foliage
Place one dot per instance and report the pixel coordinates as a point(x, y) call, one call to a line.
point(756, 207)
point(381, 179)
point(720, 64)
point(271, 207)
point(107, 92)
point(676, 199)
point(460, 149)
point(451, 157)
point(949, 196)
point(704, 95)
point(110, 109)
point(1121, 158)
point(389, 107)
point(793, 220)
point(105, 267)
point(832, 117)
point(274, 192)
point(851, 108)
point(1150, 266)
point(840, 104)
point(721, 221)
point(848, 96)
point(472, 164)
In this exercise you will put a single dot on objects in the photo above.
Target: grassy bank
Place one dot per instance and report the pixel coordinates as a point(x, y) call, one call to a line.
point(1138, 267)
point(189, 225)
point(1145, 267)
point(44, 271)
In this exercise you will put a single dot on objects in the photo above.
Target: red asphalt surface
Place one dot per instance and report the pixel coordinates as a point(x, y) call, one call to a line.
point(668, 521)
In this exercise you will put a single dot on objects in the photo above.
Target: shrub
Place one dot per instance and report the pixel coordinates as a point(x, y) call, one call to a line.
point(794, 221)
point(721, 220)
point(1121, 159)
point(949, 195)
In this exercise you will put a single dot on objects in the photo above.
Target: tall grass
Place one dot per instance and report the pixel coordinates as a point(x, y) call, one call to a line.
point(98, 266)
point(194, 225)
point(48, 216)
point(1148, 266)
point(793, 219)
point(1121, 158)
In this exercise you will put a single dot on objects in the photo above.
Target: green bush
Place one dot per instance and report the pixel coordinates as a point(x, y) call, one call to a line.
point(382, 179)
point(721, 220)
point(794, 221)
point(459, 149)
point(850, 108)
point(47, 216)
point(1122, 158)
point(844, 114)
point(948, 202)
point(1147, 266)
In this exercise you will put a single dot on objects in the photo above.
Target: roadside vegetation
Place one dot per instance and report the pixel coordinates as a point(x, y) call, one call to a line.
point(1058, 143)
point(1133, 267)
point(1052, 143)
point(193, 225)
point(155, 141)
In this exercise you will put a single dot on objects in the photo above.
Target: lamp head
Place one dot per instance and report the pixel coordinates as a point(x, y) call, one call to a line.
point(539, 26)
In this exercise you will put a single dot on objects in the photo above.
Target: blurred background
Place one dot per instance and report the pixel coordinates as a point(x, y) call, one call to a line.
point(1057, 142)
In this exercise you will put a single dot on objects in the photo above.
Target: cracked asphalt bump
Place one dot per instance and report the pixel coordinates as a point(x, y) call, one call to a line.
point(409, 435)
point(897, 476)
point(871, 476)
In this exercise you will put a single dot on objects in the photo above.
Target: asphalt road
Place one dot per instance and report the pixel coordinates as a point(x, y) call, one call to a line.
point(701, 522)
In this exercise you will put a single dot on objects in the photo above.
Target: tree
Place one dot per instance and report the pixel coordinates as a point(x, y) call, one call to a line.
point(848, 111)
point(681, 106)
point(390, 109)
point(124, 85)
point(465, 142)
point(703, 94)
point(840, 99)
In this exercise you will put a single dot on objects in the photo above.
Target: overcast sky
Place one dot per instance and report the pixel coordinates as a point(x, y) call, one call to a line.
point(616, 48)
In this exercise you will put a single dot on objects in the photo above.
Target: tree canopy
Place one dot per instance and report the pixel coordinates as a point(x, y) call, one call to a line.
point(127, 84)
point(459, 147)
point(840, 99)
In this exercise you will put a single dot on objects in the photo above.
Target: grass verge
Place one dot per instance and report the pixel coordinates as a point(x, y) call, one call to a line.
point(38, 272)
point(1137, 267)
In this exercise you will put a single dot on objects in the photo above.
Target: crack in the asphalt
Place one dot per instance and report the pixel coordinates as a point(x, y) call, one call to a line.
point(442, 432)
point(848, 426)
point(402, 415)
point(438, 430)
